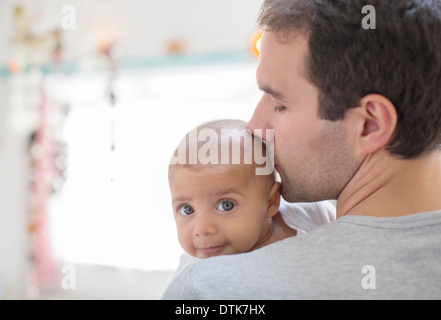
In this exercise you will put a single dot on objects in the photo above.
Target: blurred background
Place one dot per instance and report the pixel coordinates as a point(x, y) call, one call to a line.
point(94, 97)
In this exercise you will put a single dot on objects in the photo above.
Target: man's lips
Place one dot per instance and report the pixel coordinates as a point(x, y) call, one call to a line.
point(211, 250)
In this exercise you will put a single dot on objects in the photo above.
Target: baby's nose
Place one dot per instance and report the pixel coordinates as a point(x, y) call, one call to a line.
point(204, 225)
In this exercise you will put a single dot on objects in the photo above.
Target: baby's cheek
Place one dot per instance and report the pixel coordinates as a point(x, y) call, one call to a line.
point(244, 241)
point(186, 243)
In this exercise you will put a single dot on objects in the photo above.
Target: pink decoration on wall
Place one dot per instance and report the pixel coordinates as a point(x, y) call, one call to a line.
point(44, 270)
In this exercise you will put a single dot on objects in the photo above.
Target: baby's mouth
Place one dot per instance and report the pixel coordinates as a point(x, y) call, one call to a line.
point(207, 251)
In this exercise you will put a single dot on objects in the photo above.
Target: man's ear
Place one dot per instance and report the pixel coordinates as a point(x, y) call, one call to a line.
point(377, 121)
point(274, 200)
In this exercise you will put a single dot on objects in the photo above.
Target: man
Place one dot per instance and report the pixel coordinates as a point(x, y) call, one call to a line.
point(356, 115)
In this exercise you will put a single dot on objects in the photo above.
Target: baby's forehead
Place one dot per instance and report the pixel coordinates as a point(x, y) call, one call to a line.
point(209, 147)
point(230, 172)
point(223, 142)
point(247, 170)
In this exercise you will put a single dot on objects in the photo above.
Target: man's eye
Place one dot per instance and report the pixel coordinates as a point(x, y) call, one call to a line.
point(186, 210)
point(225, 206)
point(279, 109)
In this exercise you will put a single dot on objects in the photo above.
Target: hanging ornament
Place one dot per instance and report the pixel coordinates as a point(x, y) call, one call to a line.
point(15, 65)
point(175, 46)
point(33, 51)
point(57, 47)
point(42, 172)
point(106, 48)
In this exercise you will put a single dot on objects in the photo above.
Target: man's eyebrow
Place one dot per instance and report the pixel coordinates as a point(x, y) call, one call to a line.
point(272, 92)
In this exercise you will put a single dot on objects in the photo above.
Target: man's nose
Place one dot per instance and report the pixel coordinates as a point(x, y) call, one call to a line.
point(204, 225)
point(260, 121)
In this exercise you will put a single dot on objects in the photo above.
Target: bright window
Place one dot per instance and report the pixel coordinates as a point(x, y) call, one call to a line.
point(114, 208)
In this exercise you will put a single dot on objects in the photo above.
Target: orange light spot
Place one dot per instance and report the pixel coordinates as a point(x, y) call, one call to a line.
point(256, 39)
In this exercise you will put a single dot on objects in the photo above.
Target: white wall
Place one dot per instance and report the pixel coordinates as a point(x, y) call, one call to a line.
point(104, 283)
point(13, 206)
point(142, 27)
point(13, 243)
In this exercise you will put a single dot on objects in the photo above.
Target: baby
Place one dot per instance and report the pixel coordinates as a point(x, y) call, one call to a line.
point(221, 205)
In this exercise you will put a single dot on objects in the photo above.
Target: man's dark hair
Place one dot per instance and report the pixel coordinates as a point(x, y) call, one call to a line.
point(400, 59)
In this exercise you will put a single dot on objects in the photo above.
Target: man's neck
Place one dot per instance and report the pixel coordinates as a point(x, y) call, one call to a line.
point(385, 186)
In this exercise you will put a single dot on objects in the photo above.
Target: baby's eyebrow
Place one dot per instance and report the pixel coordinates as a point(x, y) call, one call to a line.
point(219, 192)
point(181, 199)
point(230, 190)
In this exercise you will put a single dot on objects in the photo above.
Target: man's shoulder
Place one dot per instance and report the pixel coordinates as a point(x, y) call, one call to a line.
point(329, 262)
point(241, 275)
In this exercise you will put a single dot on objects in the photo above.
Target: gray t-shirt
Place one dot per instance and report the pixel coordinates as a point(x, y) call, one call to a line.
point(354, 257)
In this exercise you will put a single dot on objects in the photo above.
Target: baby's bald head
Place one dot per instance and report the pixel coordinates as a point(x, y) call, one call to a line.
point(223, 142)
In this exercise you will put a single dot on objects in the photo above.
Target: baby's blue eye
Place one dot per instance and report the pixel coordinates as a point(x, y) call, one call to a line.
point(186, 210)
point(225, 206)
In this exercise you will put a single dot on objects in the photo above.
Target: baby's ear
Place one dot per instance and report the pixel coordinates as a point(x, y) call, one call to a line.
point(274, 200)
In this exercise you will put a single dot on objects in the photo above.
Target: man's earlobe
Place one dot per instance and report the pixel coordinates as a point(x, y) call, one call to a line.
point(380, 121)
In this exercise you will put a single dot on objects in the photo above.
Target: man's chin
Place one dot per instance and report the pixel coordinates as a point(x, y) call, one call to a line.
point(285, 194)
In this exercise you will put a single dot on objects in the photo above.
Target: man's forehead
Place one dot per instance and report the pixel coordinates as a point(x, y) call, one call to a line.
point(280, 57)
